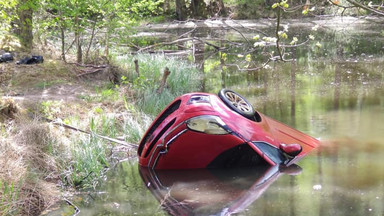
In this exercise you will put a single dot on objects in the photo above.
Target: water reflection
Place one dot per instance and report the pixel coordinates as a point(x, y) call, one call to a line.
point(211, 192)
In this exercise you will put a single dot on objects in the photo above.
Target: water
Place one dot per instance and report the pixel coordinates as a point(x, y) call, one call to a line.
point(335, 94)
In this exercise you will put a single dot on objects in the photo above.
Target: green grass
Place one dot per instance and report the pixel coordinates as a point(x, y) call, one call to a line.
point(89, 161)
point(90, 155)
point(134, 127)
point(49, 83)
point(9, 194)
point(184, 78)
point(108, 93)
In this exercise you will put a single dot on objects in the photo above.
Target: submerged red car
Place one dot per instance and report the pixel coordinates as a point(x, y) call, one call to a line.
point(202, 130)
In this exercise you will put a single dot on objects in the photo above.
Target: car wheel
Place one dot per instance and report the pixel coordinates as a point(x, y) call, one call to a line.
point(237, 103)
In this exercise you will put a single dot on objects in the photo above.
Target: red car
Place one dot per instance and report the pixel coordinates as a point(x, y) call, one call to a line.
point(201, 130)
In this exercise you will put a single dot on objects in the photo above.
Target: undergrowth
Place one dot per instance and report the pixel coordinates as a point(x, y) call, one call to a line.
point(9, 194)
point(88, 162)
point(184, 77)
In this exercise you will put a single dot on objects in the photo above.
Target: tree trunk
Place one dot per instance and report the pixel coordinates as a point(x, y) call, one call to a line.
point(79, 51)
point(24, 29)
point(63, 44)
point(108, 30)
point(221, 7)
point(198, 9)
point(90, 42)
point(181, 10)
point(106, 47)
point(166, 6)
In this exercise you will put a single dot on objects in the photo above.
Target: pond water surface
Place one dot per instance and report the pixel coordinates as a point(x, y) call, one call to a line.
point(334, 93)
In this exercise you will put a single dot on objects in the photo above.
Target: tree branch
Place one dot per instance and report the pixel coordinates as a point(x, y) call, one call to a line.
point(277, 33)
point(357, 4)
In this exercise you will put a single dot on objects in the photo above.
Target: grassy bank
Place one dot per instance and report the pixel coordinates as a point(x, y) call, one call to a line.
point(39, 159)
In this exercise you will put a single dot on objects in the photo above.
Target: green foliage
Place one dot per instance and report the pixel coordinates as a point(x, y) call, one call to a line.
point(103, 17)
point(104, 94)
point(9, 193)
point(45, 84)
point(50, 108)
point(7, 13)
point(143, 8)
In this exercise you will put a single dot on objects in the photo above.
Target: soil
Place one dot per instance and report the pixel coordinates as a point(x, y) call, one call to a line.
point(42, 82)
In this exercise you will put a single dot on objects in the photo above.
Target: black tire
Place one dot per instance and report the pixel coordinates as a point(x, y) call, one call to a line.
point(237, 103)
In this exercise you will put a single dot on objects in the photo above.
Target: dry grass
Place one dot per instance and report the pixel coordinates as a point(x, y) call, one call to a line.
point(38, 141)
point(37, 197)
point(8, 108)
point(27, 168)
point(12, 172)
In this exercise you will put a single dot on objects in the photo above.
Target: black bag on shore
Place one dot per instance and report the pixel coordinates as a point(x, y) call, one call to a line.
point(31, 60)
point(6, 57)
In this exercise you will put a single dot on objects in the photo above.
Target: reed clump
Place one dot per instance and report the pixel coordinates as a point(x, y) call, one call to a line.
point(184, 77)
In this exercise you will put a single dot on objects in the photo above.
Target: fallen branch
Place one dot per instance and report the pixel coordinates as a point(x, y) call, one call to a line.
point(86, 72)
point(179, 41)
point(90, 65)
point(373, 10)
point(77, 210)
point(121, 142)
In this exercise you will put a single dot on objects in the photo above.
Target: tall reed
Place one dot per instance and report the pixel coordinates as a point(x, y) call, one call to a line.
point(184, 78)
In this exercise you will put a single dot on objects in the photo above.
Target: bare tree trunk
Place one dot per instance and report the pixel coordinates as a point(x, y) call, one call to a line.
point(79, 55)
point(63, 44)
point(24, 29)
point(198, 9)
point(293, 87)
point(90, 42)
point(181, 10)
point(220, 8)
point(106, 47)
point(166, 6)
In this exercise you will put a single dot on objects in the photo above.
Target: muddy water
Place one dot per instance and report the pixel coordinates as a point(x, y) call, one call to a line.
point(335, 94)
